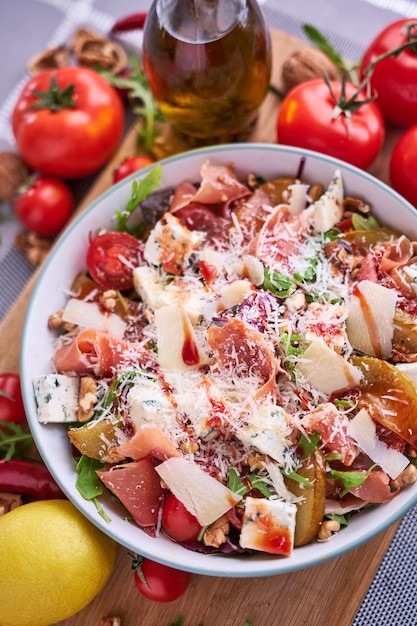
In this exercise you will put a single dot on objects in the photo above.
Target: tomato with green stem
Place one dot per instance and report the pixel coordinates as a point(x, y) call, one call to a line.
point(403, 165)
point(335, 118)
point(393, 77)
point(68, 122)
point(178, 523)
point(159, 582)
point(44, 206)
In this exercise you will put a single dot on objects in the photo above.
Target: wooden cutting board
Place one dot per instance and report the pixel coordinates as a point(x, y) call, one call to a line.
point(327, 593)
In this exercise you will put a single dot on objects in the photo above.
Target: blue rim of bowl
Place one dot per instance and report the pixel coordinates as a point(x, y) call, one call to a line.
point(265, 567)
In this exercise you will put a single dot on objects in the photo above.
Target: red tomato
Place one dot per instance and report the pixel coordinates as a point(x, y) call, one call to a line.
point(11, 403)
point(131, 165)
point(163, 583)
point(45, 206)
point(403, 166)
point(111, 257)
point(79, 137)
point(307, 119)
point(178, 523)
point(394, 78)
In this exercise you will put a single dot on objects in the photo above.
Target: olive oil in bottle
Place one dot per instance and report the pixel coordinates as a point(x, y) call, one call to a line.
point(208, 63)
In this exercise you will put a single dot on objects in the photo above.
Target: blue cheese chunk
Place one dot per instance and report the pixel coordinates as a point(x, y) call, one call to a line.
point(149, 405)
point(157, 291)
point(171, 241)
point(328, 209)
point(268, 432)
point(56, 398)
point(268, 526)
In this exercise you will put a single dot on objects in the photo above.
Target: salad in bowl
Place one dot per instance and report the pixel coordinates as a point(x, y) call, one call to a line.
point(220, 358)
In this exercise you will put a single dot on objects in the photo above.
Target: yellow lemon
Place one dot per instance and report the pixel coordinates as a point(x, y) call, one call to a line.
point(53, 562)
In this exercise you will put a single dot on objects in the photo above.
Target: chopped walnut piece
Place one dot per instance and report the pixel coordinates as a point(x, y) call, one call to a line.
point(327, 529)
point(55, 320)
point(9, 501)
point(316, 191)
point(92, 49)
point(50, 58)
point(407, 477)
point(13, 174)
point(216, 533)
point(36, 248)
point(189, 446)
point(109, 299)
point(87, 398)
point(356, 205)
point(111, 621)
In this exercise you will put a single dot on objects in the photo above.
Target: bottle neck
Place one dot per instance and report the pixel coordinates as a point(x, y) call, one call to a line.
point(200, 21)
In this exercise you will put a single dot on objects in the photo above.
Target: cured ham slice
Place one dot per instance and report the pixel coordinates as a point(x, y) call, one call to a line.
point(332, 426)
point(97, 352)
point(376, 488)
point(219, 186)
point(148, 441)
point(138, 487)
point(243, 352)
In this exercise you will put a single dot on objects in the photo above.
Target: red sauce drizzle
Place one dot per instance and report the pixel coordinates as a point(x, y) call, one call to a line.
point(190, 354)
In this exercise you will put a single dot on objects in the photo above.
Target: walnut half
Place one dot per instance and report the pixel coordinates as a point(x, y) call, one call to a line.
point(306, 64)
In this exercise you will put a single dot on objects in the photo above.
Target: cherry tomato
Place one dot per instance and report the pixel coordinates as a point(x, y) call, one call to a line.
point(307, 119)
point(11, 403)
point(131, 165)
point(45, 206)
point(163, 583)
point(403, 166)
point(111, 258)
point(74, 130)
point(178, 523)
point(394, 78)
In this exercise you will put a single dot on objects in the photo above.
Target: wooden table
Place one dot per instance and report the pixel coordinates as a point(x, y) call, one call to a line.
point(327, 593)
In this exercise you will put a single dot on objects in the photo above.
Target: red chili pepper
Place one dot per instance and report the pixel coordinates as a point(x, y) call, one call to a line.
point(130, 22)
point(30, 478)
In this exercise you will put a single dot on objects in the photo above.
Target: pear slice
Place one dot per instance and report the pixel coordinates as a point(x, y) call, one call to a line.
point(370, 322)
point(389, 396)
point(310, 507)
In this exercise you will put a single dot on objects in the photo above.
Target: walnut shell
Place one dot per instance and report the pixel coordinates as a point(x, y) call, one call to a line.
point(13, 174)
point(306, 64)
point(91, 49)
point(51, 58)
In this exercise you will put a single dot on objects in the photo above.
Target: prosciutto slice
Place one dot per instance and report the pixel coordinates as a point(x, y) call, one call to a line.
point(219, 186)
point(242, 351)
point(97, 352)
point(138, 487)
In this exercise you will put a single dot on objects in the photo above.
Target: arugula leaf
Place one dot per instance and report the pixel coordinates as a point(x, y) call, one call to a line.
point(289, 343)
point(140, 191)
point(88, 483)
point(14, 440)
point(255, 482)
point(360, 222)
point(140, 97)
point(348, 480)
point(307, 445)
point(323, 44)
point(342, 519)
point(297, 478)
point(278, 284)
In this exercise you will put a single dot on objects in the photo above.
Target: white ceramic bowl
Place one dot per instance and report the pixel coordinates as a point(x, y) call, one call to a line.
point(67, 258)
